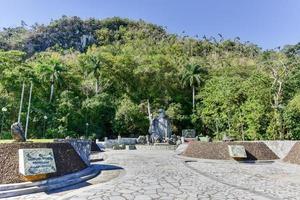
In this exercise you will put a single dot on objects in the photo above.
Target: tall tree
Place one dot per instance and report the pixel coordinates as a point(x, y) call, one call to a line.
point(92, 62)
point(278, 67)
point(192, 77)
point(50, 67)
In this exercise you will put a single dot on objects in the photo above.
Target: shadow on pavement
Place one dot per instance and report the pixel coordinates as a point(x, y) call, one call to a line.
point(98, 167)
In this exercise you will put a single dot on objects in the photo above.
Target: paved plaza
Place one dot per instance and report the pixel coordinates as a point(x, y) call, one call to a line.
point(164, 175)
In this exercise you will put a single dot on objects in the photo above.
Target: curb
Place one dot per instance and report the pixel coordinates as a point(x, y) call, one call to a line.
point(16, 189)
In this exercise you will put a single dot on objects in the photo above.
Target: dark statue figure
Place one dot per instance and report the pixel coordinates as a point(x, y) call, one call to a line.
point(17, 132)
point(160, 129)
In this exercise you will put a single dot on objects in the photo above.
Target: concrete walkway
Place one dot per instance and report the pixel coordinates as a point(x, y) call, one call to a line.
point(163, 175)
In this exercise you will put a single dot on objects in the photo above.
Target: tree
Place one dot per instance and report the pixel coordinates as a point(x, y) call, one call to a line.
point(99, 112)
point(92, 62)
point(219, 110)
point(278, 67)
point(291, 118)
point(192, 76)
point(102, 72)
point(50, 67)
point(129, 119)
point(176, 114)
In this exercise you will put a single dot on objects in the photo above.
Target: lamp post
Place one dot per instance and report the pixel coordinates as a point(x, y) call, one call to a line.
point(45, 119)
point(4, 109)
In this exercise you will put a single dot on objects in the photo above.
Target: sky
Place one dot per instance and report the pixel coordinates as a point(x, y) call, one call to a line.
point(268, 23)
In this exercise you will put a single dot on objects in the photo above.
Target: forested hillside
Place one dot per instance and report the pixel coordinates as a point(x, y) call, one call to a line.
point(95, 78)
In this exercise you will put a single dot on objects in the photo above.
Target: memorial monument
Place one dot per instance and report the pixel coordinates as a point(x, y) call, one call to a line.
point(160, 129)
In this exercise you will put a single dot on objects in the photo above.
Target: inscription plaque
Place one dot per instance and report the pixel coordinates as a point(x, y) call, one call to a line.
point(36, 161)
point(237, 151)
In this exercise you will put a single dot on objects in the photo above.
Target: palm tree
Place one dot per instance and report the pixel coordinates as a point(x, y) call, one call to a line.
point(54, 77)
point(50, 69)
point(192, 77)
point(92, 62)
point(96, 67)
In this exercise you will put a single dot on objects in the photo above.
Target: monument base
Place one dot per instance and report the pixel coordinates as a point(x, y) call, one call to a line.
point(66, 158)
point(36, 177)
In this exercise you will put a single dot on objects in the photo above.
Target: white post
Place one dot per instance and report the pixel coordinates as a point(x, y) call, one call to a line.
point(119, 139)
point(21, 103)
point(28, 110)
point(149, 112)
point(193, 98)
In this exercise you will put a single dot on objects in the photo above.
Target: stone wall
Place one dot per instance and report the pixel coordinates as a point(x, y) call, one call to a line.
point(219, 150)
point(280, 147)
point(66, 159)
point(82, 147)
point(293, 155)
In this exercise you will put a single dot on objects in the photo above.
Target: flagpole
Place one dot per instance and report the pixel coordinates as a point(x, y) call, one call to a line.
point(21, 103)
point(28, 110)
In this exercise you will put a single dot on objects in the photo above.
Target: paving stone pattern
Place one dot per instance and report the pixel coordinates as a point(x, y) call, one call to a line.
point(163, 175)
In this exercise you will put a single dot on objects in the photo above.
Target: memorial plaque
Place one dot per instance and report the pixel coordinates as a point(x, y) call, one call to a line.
point(237, 151)
point(36, 161)
point(189, 133)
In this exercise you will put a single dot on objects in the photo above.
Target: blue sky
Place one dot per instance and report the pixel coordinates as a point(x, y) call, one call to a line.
point(268, 23)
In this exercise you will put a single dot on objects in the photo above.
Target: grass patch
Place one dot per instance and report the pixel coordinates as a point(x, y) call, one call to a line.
point(5, 141)
point(29, 140)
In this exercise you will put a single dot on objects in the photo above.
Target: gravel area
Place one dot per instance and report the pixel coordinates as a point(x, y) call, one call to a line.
point(219, 150)
point(293, 156)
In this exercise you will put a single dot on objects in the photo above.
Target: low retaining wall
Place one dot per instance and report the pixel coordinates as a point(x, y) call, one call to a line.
point(111, 143)
point(82, 147)
point(66, 159)
point(219, 150)
point(181, 148)
point(95, 147)
point(294, 154)
point(280, 147)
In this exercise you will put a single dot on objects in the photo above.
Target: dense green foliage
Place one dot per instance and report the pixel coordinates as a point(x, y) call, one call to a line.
point(96, 77)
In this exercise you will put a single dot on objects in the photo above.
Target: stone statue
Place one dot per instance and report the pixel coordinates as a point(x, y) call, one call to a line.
point(160, 129)
point(17, 132)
